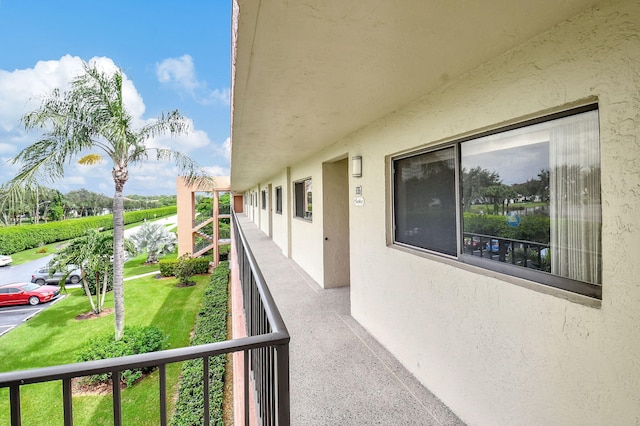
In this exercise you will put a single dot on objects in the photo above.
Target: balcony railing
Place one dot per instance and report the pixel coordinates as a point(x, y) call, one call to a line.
point(200, 218)
point(266, 359)
point(528, 254)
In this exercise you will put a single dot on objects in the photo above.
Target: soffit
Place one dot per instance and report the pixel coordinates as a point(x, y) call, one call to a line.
point(308, 73)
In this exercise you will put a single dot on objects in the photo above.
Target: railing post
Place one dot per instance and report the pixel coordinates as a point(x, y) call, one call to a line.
point(67, 402)
point(117, 399)
point(14, 396)
point(163, 394)
point(283, 397)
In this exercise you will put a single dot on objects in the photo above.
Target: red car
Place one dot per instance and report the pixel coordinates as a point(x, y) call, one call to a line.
point(23, 293)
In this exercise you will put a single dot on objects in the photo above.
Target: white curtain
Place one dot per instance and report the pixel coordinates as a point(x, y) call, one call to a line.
point(575, 206)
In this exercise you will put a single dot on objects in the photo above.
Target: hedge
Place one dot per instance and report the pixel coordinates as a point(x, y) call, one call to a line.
point(531, 228)
point(135, 340)
point(15, 239)
point(200, 266)
point(211, 327)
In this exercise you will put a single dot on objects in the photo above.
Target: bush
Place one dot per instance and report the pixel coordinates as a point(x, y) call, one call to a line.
point(91, 280)
point(211, 327)
point(167, 266)
point(135, 340)
point(183, 269)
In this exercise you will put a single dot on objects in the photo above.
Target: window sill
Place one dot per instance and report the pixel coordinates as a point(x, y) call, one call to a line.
point(521, 282)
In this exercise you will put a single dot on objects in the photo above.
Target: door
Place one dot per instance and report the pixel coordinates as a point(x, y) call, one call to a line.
point(335, 189)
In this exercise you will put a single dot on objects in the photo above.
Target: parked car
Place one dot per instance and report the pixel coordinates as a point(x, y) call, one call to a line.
point(5, 260)
point(41, 276)
point(494, 246)
point(472, 243)
point(23, 293)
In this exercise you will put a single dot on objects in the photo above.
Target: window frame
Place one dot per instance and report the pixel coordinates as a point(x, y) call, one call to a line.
point(299, 202)
point(278, 199)
point(587, 289)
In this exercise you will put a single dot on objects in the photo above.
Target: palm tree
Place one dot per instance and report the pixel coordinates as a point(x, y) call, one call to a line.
point(92, 254)
point(91, 117)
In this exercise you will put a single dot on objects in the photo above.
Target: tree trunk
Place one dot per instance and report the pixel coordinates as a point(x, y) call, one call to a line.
point(105, 281)
point(85, 285)
point(118, 252)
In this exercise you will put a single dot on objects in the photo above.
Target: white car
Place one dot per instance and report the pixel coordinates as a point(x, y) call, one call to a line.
point(5, 260)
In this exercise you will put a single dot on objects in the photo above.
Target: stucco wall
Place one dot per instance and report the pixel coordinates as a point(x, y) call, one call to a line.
point(306, 236)
point(501, 351)
point(281, 221)
point(495, 352)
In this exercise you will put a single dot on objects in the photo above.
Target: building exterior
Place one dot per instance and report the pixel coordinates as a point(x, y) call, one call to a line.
point(356, 134)
point(193, 237)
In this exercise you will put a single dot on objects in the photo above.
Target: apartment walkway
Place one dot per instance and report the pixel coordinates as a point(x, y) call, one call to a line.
point(339, 374)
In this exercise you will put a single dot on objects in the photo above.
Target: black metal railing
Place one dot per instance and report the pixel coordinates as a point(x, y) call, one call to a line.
point(528, 254)
point(269, 364)
point(266, 355)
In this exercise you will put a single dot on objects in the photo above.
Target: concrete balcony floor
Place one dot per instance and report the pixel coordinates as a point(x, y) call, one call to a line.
point(340, 375)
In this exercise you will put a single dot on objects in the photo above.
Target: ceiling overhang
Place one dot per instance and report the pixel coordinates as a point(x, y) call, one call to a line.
point(308, 73)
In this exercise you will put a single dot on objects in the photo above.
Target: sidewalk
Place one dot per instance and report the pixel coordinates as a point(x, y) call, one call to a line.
point(340, 375)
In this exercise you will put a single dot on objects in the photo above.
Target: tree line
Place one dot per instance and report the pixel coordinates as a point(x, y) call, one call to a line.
point(43, 204)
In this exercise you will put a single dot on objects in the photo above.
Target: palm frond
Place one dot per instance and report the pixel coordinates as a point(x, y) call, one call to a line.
point(91, 159)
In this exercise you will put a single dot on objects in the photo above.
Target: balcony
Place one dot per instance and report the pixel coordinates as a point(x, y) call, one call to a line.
point(330, 372)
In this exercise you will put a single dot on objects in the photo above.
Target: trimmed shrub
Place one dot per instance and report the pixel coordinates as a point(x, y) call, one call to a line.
point(167, 266)
point(200, 265)
point(135, 340)
point(211, 326)
point(14, 239)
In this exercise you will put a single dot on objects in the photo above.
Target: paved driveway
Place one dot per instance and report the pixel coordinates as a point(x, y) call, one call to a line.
point(13, 316)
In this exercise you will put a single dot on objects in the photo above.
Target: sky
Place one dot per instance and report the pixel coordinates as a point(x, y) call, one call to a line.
point(174, 55)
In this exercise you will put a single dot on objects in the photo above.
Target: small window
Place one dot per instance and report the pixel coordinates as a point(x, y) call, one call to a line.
point(303, 199)
point(526, 202)
point(279, 199)
point(264, 199)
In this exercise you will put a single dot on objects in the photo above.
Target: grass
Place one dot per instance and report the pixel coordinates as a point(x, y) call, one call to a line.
point(36, 253)
point(54, 336)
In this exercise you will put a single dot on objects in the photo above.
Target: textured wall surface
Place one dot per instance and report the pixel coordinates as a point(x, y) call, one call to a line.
point(499, 353)
point(495, 352)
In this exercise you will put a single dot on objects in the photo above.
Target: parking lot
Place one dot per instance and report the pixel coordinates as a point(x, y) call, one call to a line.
point(13, 316)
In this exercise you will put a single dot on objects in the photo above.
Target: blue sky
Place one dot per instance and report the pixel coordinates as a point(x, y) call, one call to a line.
point(176, 55)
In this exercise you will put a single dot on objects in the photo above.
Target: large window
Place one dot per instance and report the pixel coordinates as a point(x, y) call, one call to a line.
point(302, 195)
point(526, 203)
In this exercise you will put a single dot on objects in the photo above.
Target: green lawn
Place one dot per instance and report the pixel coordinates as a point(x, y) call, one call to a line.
point(135, 266)
point(54, 336)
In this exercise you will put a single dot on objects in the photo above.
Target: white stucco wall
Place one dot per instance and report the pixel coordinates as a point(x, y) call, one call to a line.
point(306, 236)
point(495, 352)
point(264, 212)
point(280, 221)
point(499, 353)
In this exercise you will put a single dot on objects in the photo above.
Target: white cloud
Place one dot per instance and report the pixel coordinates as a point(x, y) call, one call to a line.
point(21, 91)
point(184, 143)
point(217, 171)
point(180, 74)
